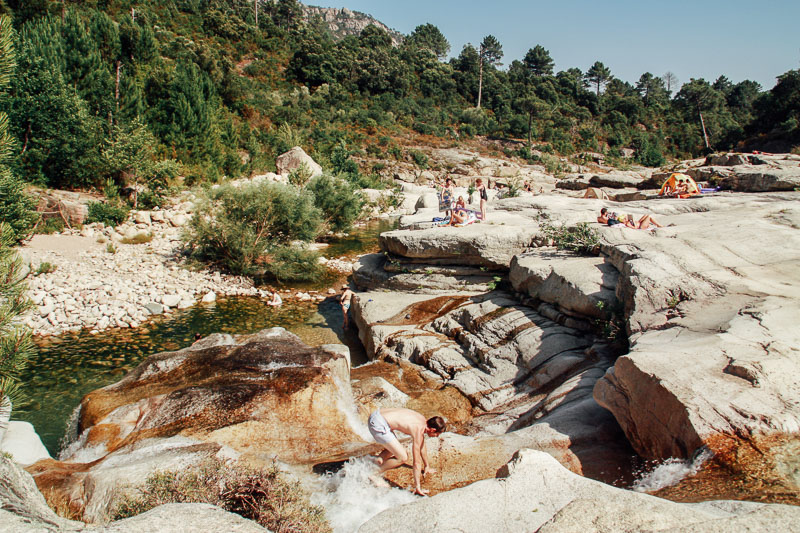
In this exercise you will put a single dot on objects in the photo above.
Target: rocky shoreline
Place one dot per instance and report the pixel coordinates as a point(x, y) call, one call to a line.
point(91, 279)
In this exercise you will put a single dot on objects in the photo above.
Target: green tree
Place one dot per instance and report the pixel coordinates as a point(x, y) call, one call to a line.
point(337, 199)
point(598, 75)
point(131, 153)
point(57, 135)
point(429, 37)
point(539, 62)
point(778, 112)
point(491, 52)
point(17, 209)
point(652, 90)
point(15, 339)
point(699, 97)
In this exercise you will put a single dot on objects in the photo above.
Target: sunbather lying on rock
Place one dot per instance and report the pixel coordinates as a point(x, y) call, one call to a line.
point(612, 219)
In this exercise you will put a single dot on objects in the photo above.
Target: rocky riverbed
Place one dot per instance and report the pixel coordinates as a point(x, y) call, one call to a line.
point(670, 343)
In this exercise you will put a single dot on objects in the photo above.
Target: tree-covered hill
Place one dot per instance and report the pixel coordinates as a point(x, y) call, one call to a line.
point(207, 84)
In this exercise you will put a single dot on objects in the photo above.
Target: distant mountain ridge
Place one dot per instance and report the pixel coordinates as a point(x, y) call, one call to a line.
point(343, 22)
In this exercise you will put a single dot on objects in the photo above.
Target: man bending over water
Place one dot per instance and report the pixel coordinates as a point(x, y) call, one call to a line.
point(383, 422)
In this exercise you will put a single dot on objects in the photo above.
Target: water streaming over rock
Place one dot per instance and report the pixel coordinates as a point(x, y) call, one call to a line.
point(70, 438)
point(670, 472)
point(350, 497)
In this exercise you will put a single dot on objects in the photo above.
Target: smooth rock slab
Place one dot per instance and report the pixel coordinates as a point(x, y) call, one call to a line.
point(533, 491)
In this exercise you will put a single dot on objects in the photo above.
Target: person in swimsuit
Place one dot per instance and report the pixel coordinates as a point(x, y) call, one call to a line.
point(446, 197)
point(484, 197)
point(612, 219)
point(275, 300)
point(382, 424)
point(344, 301)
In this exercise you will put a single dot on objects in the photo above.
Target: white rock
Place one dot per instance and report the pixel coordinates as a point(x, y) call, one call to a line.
point(171, 300)
point(209, 297)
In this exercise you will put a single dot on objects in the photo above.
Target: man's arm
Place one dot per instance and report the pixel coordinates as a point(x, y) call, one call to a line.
point(416, 452)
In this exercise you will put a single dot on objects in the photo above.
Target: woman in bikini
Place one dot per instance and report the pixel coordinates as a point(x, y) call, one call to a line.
point(484, 197)
point(612, 219)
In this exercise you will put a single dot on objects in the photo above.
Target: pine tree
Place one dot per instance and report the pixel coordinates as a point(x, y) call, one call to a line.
point(16, 207)
point(538, 61)
point(490, 53)
point(598, 75)
point(15, 339)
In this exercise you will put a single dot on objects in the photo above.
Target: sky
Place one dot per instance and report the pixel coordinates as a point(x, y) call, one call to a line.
point(692, 39)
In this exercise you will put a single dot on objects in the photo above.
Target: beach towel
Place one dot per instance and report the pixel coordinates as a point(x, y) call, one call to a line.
point(471, 218)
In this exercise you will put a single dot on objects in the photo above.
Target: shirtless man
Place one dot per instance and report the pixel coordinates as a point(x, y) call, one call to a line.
point(344, 301)
point(383, 423)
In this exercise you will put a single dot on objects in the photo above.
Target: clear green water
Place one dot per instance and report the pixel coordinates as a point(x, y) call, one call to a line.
point(70, 366)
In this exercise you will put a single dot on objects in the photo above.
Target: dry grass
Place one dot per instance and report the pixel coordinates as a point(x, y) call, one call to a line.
point(263, 495)
point(61, 505)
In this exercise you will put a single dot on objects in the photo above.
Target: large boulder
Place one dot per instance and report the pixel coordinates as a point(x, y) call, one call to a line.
point(583, 286)
point(534, 493)
point(70, 207)
point(487, 245)
point(296, 158)
point(713, 346)
point(267, 392)
point(616, 180)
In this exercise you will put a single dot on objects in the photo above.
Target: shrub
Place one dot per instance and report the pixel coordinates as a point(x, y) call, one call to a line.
point(45, 268)
point(107, 213)
point(263, 495)
point(292, 263)
point(581, 238)
point(50, 225)
point(338, 200)
point(420, 159)
point(234, 228)
point(139, 238)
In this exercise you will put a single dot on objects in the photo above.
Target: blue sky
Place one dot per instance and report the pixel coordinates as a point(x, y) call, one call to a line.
point(692, 39)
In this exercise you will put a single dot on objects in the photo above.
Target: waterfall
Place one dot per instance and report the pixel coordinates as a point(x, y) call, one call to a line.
point(347, 406)
point(670, 472)
point(67, 443)
point(350, 497)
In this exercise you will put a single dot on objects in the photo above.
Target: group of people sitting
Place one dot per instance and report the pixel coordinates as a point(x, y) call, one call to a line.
point(457, 212)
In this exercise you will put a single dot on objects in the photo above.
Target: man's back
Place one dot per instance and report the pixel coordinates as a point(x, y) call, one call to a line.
point(405, 420)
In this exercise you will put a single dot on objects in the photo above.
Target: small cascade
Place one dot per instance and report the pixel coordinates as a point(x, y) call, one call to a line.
point(347, 406)
point(670, 472)
point(350, 497)
point(67, 442)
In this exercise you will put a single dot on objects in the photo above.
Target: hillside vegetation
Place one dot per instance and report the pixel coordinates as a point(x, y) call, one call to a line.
point(208, 92)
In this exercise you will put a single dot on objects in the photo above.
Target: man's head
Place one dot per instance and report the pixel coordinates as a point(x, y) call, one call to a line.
point(435, 426)
point(448, 182)
point(478, 182)
point(603, 211)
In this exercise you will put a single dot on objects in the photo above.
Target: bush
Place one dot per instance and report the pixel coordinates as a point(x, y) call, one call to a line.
point(51, 225)
point(292, 263)
point(338, 200)
point(263, 495)
point(17, 209)
point(420, 159)
point(235, 228)
point(581, 238)
point(107, 213)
